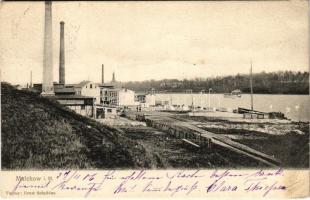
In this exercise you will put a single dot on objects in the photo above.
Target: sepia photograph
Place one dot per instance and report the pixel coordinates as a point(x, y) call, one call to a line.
point(154, 85)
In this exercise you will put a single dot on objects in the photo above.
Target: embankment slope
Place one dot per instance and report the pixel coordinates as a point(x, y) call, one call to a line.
point(39, 133)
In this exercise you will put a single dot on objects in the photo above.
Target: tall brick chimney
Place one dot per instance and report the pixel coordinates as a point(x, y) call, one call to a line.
point(62, 76)
point(47, 85)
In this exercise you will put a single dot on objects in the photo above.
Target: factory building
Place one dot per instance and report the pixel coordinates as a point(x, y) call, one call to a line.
point(89, 89)
point(116, 96)
point(112, 94)
point(82, 105)
point(145, 99)
point(84, 88)
point(78, 97)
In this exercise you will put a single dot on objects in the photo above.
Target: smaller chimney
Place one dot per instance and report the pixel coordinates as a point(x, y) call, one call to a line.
point(113, 77)
point(102, 74)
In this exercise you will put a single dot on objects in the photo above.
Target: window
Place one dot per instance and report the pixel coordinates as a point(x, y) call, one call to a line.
point(82, 107)
point(109, 110)
point(91, 85)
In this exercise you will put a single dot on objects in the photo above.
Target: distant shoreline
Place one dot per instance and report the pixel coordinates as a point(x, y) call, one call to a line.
point(225, 93)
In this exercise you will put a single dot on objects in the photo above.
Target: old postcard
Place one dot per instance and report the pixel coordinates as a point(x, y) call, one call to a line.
point(155, 99)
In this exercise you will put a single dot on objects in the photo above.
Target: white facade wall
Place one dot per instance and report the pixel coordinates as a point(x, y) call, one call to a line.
point(150, 99)
point(91, 90)
point(126, 97)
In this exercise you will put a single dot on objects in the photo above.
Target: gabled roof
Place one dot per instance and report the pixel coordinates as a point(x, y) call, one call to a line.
point(82, 84)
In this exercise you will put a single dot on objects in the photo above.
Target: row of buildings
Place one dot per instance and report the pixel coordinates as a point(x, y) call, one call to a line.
point(106, 94)
point(97, 99)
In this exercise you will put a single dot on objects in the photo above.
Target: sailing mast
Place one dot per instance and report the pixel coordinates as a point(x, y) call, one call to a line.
point(193, 106)
point(251, 85)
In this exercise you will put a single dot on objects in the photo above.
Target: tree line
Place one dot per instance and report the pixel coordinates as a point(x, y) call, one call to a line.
point(281, 82)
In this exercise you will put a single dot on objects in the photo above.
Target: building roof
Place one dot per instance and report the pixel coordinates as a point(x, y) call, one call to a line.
point(72, 97)
point(141, 93)
point(82, 84)
point(119, 89)
point(111, 84)
point(70, 85)
point(115, 89)
point(64, 90)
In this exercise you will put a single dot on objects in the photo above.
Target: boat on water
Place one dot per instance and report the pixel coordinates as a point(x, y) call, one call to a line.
point(255, 114)
point(234, 94)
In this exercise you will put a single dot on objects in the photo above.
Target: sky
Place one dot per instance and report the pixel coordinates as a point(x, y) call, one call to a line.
point(155, 40)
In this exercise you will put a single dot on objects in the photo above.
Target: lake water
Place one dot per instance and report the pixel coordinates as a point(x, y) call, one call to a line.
point(295, 107)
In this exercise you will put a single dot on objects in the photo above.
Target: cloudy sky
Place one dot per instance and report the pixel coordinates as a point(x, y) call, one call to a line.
point(155, 40)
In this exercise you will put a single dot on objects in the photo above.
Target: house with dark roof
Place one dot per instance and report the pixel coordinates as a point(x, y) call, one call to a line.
point(84, 88)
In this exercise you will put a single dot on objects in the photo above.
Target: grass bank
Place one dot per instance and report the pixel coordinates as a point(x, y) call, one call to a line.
point(39, 133)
